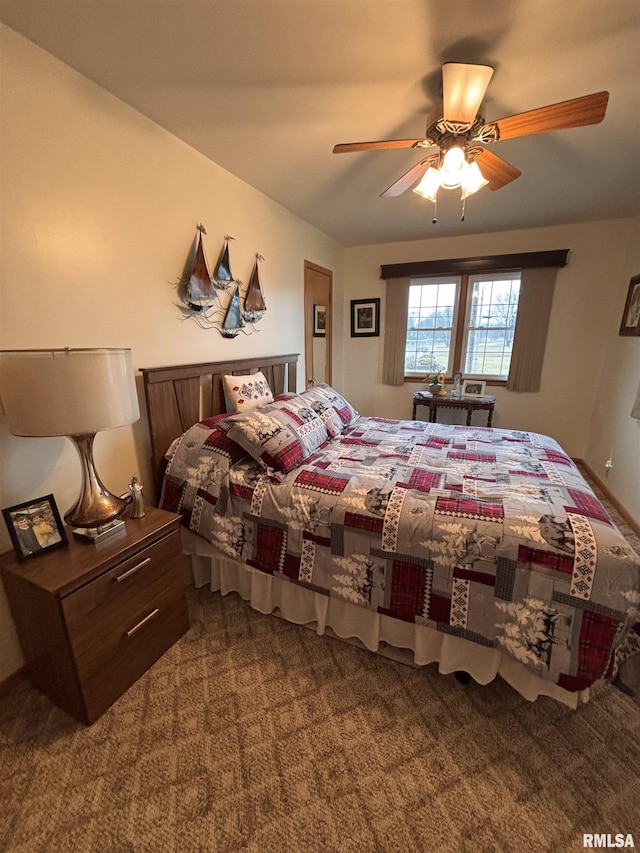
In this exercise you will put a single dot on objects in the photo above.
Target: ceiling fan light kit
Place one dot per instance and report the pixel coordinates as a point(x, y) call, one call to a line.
point(461, 133)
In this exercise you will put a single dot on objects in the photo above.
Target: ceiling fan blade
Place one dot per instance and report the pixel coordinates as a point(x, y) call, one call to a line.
point(496, 170)
point(408, 179)
point(463, 88)
point(577, 112)
point(348, 147)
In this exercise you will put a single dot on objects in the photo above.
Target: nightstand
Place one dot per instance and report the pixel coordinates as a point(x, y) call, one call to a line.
point(92, 618)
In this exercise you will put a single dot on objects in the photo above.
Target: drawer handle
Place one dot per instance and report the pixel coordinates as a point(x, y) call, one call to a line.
point(142, 622)
point(130, 572)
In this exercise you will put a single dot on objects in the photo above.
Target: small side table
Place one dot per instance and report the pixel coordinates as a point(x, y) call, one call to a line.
point(471, 404)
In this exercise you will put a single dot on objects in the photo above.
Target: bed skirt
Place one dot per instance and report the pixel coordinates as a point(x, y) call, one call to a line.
point(418, 645)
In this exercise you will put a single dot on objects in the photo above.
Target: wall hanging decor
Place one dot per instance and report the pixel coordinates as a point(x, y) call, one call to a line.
point(630, 324)
point(202, 293)
point(365, 318)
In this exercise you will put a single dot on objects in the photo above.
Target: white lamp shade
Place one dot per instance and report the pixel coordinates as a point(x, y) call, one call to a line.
point(473, 181)
point(429, 185)
point(67, 391)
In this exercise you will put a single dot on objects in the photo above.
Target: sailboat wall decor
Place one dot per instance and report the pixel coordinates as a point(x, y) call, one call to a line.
point(254, 304)
point(233, 322)
point(201, 293)
point(222, 275)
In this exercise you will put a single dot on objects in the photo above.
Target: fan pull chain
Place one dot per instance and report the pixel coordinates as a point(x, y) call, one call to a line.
point(464, 201)
point(435, 212)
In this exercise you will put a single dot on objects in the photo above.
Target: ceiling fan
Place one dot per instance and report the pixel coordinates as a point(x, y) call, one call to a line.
point(460, 134)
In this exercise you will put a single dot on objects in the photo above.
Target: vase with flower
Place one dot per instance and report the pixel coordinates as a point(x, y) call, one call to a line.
point(435, 381)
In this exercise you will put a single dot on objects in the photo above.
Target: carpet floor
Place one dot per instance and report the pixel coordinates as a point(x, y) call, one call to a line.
point(252, 734)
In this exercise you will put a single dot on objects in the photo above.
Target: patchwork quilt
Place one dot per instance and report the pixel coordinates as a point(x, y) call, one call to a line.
point(488, 534)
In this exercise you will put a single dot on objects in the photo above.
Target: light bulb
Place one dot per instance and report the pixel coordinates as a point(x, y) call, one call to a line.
point(453, 168)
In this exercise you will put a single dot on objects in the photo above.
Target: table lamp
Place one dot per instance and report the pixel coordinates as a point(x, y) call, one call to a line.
point(75, 393)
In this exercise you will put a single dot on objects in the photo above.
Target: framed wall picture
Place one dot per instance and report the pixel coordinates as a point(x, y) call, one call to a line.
point(319, 321)
point(365, 318)
point(34, 526)
point(630, 324)
point(473, 388)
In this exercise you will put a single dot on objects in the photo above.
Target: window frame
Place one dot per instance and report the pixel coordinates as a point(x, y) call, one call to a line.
point(462, 313)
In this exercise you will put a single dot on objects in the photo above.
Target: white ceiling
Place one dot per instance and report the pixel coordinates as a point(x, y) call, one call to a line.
point(265, 88)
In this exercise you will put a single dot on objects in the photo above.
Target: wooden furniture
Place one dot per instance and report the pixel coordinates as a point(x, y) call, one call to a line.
point(471, 404)
point(179, 396)
point(92, 618)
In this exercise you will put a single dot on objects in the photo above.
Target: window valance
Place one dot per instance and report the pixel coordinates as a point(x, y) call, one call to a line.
point(488, 263)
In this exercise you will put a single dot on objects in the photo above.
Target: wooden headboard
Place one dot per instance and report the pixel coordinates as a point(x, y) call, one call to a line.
point(179, 396)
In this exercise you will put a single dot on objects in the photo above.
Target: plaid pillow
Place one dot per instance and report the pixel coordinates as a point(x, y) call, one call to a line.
point(280, 436)
point(204, 454)
point(242, 393)
point(332, 408)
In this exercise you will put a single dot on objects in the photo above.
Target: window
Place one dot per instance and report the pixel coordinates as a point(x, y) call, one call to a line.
point(462, 324)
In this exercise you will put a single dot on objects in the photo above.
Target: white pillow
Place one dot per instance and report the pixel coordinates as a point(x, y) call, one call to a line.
point(242, 393)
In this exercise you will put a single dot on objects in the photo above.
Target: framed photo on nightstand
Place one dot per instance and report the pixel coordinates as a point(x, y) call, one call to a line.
point(34, 526)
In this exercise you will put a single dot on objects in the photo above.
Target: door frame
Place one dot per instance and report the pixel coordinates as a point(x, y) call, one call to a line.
point(309, 266)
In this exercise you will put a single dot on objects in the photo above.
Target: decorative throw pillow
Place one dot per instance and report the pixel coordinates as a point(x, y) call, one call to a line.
point(280, 436)
point(242, 393)
point(323, 396)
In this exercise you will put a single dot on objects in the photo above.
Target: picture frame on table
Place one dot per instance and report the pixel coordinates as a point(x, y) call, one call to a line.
point(473, 388)
point(319, 321)
point(34, 526)
point(630, 324)
point(365, 318)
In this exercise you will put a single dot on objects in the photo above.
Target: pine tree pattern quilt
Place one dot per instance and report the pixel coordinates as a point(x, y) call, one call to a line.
point(492, 535)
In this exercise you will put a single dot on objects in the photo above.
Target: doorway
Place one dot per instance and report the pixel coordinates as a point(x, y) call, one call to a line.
point(318, 289)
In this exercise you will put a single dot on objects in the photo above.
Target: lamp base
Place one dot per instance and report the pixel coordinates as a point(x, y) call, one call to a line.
point(96, 506)
point(98, 534)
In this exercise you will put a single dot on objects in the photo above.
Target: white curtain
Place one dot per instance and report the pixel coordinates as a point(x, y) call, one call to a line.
point(395, 330)
point(532, 322)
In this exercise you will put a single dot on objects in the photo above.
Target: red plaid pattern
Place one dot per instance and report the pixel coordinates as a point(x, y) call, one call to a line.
point(434, 442)
point(423, 481)
point(321, 482)
point(470, 507)
point(557, 457)
point(407, 590)
point(587, 505)
point(547, 559)
point(597, 633)
point(269, 547)
point(471, 457)
point(220, 442)
point(286, 459)
point(240, 491)
point(172, 495)
point(363, 522)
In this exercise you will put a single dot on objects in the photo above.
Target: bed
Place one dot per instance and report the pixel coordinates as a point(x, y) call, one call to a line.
point(483, 550)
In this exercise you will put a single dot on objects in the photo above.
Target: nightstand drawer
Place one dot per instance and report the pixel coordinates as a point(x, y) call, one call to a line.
point(116, 597)
point(118, 658)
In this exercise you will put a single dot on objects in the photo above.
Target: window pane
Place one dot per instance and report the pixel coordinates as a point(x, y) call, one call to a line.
point(493, 305)
point(430, 325)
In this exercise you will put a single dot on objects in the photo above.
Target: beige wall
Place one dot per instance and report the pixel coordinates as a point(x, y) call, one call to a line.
point(614, 434)
point(99, 210)
point(586, 311)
